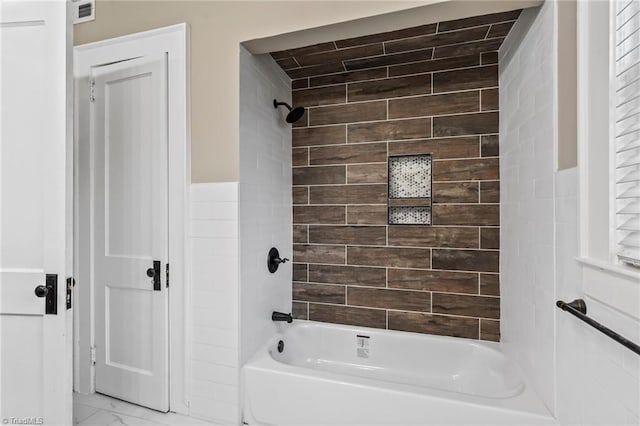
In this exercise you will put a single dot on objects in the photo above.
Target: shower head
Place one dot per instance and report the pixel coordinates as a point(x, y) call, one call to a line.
point(294, 115)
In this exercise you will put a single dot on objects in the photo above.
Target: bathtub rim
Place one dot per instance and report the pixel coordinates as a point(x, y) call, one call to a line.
point(485, 344)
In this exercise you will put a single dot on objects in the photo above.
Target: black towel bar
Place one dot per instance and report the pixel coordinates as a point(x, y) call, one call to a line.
point(578, 308)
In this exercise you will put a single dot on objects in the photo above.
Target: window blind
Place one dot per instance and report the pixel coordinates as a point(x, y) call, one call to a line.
point(626, 82)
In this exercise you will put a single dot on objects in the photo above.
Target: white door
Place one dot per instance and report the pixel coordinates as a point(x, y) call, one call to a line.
point(35, 374)
point(128, 122)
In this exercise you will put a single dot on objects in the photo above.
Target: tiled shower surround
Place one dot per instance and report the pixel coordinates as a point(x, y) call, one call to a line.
point(426, 90)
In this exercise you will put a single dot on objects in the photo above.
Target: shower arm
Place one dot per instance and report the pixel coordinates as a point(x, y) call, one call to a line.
point(276, 104)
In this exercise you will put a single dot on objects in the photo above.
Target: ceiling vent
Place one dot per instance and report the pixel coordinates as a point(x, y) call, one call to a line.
point(84, 11)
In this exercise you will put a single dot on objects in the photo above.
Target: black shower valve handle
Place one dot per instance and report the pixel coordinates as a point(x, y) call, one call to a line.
point(274, 260)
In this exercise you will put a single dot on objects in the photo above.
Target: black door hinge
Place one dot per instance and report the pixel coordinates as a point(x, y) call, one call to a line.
point(92, 90)
point(167, 272)
point(71, 282)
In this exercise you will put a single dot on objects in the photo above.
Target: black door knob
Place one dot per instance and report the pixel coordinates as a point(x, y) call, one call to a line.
point(151, 272)
point(41, 291)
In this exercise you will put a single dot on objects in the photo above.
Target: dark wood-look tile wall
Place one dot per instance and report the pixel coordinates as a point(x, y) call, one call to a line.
point(389, 88)
point(388, 36)
point(433, 280)
point(490, 284)
point(415, 128)
point(348, 154)
point(367, 173)
point(433, 90)
point(367, 214)
point(433, 105)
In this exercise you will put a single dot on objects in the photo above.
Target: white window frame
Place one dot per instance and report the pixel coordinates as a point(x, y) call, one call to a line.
point(604, 277)
point(613, 102)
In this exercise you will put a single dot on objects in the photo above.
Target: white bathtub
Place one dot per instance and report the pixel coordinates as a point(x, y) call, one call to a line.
point(327, 375)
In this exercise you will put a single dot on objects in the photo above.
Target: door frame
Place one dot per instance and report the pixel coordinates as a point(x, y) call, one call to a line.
point(174, 40)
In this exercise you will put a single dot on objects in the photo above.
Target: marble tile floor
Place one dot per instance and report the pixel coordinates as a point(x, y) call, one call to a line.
point(101, 410)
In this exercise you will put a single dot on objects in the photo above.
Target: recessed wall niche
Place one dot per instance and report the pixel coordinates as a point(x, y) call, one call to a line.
point(409, 190)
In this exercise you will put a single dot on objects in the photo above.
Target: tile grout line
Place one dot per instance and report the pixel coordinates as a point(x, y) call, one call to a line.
point(346, 93)
point(450, 115)
point(401, 141)
point(346, 291)
point(443, 314)
point(390, 289)
point(430, 259)
point(388, 73)
point(486, 36)
point(386, 277)
point(346, 124)
point(431, 94)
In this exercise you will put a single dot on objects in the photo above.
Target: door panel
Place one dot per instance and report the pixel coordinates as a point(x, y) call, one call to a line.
point(35, 48)
point(17, 296)
point(134, 308)
point(129, 136)
point(19, 374)
point(129, 144)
